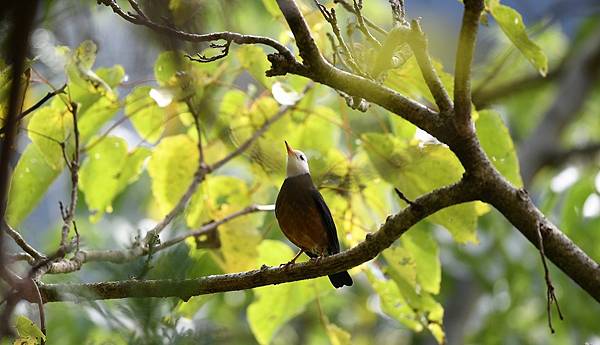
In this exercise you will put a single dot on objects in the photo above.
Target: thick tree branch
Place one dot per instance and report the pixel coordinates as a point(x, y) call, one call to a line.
point(389, 232)
point(518, 208)
point(21, 17)
point(464, 59)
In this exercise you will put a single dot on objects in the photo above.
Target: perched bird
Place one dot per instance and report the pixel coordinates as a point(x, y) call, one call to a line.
point(304, 217)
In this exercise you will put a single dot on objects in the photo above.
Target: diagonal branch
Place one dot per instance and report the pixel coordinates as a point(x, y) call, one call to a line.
point(389, 232)
point(37, 104)
point(418, 44)
point(125, 255)
point(464, 59)
point(140, 19)
point(20, 241)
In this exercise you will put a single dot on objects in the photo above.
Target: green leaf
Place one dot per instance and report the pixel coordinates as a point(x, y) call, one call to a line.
point(275, 305)
point(425, 252)
point(146, 116)
point(337, 335)
point(107, 171)
point(83, 81)
point(233, 103)
point(27, 328)
point(92, 118)
point(272, 8)
point(48, 128)
point(30, 180)
point(419, 169)
point(217, 197)
point(254, 59)
point(408, 80)
point(498, 145)
point(172, 167)
point(511, 23)
point(167, 65)
point(393, 303)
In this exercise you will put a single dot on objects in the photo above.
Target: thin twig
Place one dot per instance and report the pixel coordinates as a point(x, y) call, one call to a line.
point(361, 24)
point(550, 296)
point(402, 197)
point(140, 19)
point(398, 11)
point(263, 128)
point(213, 225)
point(331, 18)
point(350, 8)
point(38, 104)
point(20, 241)
point(69, 213)
point(202, 58)
point(125, 255)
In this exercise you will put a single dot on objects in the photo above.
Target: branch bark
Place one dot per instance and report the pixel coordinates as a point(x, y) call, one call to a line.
point(389, 232)
point(464, 59)
point(480, 182)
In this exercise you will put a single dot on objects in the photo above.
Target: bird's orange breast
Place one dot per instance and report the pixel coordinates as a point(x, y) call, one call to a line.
point(298, 216)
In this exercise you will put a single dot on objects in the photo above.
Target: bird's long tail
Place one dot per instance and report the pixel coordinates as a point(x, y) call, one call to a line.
point(340, 279)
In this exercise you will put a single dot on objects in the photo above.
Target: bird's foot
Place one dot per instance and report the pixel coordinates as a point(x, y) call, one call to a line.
point(288, 264)
point(317, 259)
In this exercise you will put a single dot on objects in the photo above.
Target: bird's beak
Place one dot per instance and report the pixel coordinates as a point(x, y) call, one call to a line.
point(289, 149)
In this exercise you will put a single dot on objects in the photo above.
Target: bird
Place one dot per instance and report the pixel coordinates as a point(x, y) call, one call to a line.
point(304, 217)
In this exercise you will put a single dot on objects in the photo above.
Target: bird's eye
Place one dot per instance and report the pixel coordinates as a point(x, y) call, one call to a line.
point(301, 157)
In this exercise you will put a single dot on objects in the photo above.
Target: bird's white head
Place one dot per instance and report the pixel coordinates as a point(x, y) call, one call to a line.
point(297, 163)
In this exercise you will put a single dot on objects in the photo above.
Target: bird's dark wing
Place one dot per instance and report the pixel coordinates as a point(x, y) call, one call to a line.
point(334, 245)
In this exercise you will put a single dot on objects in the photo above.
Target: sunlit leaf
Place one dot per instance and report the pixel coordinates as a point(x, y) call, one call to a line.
point(393, 303)
point(107, 171)
point(167, 65)
point(419, 169)
point(337, 335)
point(82, 79)
point(28, 329)
point(425, 253)
point(147, 117)
point(92, 118)
point(497, 144)
point(171, 167)
point(254, 59)
point(511, 23)
point(277, 304)
point(50, 127)
point(272, 7)
point(30, 181)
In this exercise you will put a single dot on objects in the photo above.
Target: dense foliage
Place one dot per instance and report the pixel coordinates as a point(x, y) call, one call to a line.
point(138, 142)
